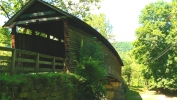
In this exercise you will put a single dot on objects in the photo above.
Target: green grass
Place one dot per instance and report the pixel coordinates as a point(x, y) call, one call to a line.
point(134, 93)
point(137, 89)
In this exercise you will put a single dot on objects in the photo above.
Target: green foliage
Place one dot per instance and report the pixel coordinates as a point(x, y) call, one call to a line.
point(122, 48)
point(4, 97)
point(68, 82)
point(5, 41)
point(88, 80)
point(5, 37)
point(91, 70)
point(80, 8)
point(134, 93)
point(132, 71)
point(104, 27)
point(155, 44)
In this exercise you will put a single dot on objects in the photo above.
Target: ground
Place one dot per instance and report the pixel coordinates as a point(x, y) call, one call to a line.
point(140, 93)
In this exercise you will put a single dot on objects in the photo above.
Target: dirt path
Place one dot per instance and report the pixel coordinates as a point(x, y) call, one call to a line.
point(143, 94)
point(151, 95)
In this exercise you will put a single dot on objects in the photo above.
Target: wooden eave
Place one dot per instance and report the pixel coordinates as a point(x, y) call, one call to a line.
point(11, 22)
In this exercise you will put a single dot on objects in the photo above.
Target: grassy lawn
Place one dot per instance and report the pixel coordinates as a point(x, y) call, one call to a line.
point(134, 93)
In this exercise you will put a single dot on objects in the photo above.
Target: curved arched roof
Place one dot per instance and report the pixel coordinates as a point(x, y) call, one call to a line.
point(61, 15)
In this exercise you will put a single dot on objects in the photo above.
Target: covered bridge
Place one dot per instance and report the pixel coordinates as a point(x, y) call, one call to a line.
point(48, 30)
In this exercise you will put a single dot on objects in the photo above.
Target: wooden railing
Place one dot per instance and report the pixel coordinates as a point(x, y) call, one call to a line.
point(13, 63)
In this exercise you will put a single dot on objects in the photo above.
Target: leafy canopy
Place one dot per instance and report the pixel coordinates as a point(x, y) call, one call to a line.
point(154, 46)
point(101, 24)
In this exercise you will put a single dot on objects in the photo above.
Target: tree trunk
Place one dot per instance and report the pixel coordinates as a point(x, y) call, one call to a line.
point(147, 83)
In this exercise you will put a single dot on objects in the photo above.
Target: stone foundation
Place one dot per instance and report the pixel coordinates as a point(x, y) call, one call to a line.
point(26, 93)
point(115, 91)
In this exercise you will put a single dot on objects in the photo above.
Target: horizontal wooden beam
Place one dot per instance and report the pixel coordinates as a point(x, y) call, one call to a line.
point(25, 60)
point(25, 52)
point(5, 49)
point(51, 57)
point(37, 14)
point(5, 58)
point(39, 20)
point(4, 68)
point(45, 62)
point(24, 69)
point(60, 64)
point(49, 70)
point(28, 69)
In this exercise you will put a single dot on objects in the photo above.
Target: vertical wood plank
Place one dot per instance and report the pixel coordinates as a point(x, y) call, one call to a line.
point(13, 36)
point(14, 31)
point(37, 63)
point(66, 41)
point(13, 62)
point(13, 40)
point(33, 41)
point(33, 32)
point(48, 36)
point(53, 65)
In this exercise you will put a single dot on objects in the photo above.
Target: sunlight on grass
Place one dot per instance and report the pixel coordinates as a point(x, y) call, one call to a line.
point(138, 89)
point(133, 93)
point(141, 93)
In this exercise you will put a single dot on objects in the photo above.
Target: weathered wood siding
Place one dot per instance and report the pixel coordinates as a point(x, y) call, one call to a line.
point(113, 66)
point(39, 44)
point(111, 62)
point(74, 36)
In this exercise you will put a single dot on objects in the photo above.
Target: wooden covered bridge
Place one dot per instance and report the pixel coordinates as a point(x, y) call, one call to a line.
point(44, 40)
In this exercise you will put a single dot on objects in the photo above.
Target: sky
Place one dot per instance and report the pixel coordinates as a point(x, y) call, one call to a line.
point(122, 14)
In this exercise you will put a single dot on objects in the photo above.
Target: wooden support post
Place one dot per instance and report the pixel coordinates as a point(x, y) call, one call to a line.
point(48, 36)
point(13, 36)
point(120, 71)
point(37, 63)
point(34, 41)
point(53, 65)
point(33, 33)
point(13, 62)
point(66, 41)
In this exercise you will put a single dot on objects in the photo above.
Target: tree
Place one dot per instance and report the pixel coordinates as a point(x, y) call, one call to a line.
point(79, 8)
point(127, 69)
point(122, 48)
point(5, 37)
point(100, 23)
point(131, 71)
point(154, 46)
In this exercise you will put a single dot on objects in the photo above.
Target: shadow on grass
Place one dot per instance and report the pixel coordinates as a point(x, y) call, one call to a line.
point(132, 95)
point(137, 88)
point(166, 92)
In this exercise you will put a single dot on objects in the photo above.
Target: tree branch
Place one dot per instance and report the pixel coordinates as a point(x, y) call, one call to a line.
point(5, 11)
point(21, 2)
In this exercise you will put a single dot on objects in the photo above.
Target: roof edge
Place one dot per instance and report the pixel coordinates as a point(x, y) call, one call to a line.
point(7, 24)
